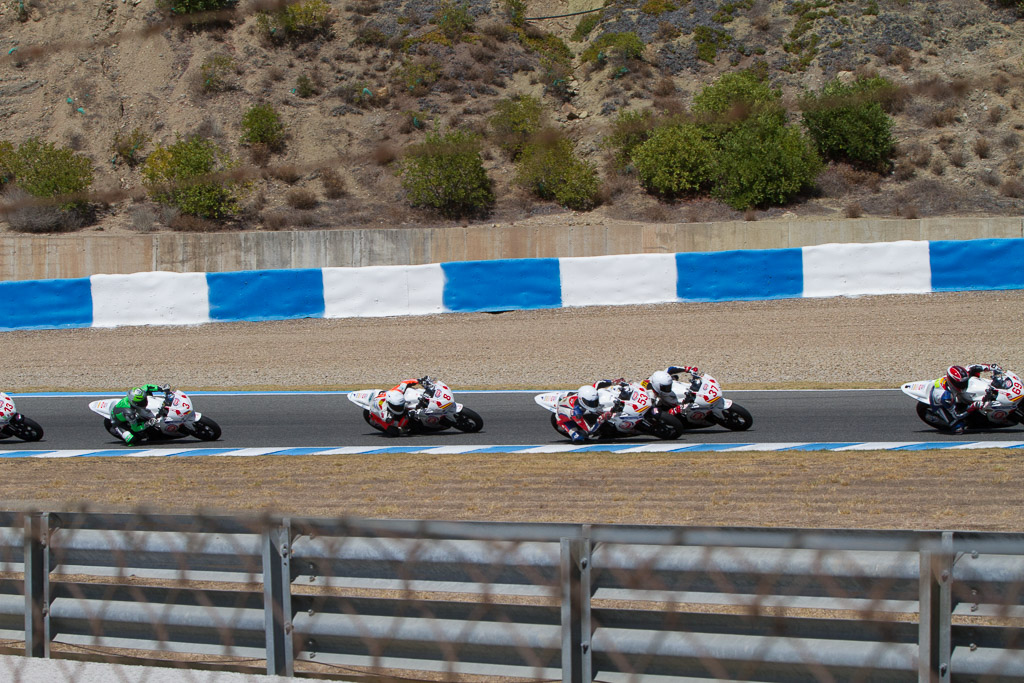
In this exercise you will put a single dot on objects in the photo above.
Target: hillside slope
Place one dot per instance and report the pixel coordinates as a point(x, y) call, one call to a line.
point(109, 67)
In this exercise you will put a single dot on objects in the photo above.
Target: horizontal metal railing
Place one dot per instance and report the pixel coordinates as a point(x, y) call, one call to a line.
point(541, 601)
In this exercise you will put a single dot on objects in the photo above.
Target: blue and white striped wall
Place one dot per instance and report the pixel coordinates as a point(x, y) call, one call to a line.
point(165, 298)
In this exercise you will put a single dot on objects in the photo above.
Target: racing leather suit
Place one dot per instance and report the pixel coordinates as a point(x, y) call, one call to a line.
point(129, 420)
point(953, 404)
point(581, 424)
point(667, 400)
point(381, 417)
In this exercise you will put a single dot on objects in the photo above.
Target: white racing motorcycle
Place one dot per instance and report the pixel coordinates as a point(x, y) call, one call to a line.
point(181, 419)
point(637, 416)
point(429, 413)
point(1001, 396)
point(701, 404)
point(13, 423)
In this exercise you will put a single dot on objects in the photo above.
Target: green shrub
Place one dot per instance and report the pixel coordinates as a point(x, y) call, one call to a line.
point(629, 130)
point(619, 45)
point(193, 6)
point(657, 7)
point(418, 77)
point(44, 170)
point(709, 41)
point(736, 96)
point(453, 19)
point(847, 122)
point(550, 169)
point(515, 10)
point(585, 25)
point(262, 124)
point(516, 119)
point(176, 176)
point(127, 146)
point(297, 22)
point(214, 72)
point(305, 87)
point(675, 160)
point(1019, 4)
point(761, 163)
point(445, 173)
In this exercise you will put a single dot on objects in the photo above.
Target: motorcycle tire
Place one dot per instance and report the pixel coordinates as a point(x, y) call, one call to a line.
point(5, 432)
point(467, 420)
point(205, 429)
point(665, 426)
point(26, 429)
point(737, 418)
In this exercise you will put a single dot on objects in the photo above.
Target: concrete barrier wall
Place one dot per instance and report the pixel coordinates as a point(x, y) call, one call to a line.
point(162, 298)
point(25, 257)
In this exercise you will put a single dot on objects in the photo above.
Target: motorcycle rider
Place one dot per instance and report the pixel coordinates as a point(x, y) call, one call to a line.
point(580, 412)
point(949, 393)
point(659, 386)
point(389, 412)
point(130, 415)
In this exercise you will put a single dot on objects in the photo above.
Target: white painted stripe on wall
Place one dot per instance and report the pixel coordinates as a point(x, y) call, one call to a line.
point(376, 291)
point(617, 280)
point(878, 268)
point(158, 298)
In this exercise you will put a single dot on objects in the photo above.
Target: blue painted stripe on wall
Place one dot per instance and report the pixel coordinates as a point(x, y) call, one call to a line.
point(42, 304)
point(976, 264)
point(740, 275)
point(266, 294)
point(503, 285)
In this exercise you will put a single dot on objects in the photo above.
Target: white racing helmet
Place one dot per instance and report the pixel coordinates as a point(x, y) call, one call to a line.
point(661, 382)
point(395, 400)
point(586, 398)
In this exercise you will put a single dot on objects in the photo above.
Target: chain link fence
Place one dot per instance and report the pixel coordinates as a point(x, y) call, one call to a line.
point(406, 600)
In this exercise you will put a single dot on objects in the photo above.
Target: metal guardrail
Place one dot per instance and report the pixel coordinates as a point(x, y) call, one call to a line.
point(533, 601)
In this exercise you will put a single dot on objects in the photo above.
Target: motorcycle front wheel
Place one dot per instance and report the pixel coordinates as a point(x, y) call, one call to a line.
point(26, 429)
point(205, 429)
point(467, 420)
point(737, 418)
point(665, 427)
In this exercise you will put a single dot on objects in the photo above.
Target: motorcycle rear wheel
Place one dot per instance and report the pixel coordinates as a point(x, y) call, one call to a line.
point(26, 429)
point(737, 418)
point(206, 429)
point(467, 420)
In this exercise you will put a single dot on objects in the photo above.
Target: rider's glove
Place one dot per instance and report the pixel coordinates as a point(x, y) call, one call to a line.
point(689, 396)
point(423, 402)
point(165, 388)
point(605, 416)
point(151, 421)
point(995, 368)
point(693, 370)
point(977, 405)
point(616, 406)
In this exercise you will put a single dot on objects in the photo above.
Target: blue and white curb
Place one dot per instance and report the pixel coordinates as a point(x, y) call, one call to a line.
point(521, 449)
point(164, 298)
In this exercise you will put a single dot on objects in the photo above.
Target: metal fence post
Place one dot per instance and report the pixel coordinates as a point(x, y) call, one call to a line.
point(277, 598)
point(936, 613)
point(576, 625)
point(37, 584)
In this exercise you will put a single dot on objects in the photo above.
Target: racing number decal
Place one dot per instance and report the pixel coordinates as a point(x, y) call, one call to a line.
point(711, 394)
point(1016, 389)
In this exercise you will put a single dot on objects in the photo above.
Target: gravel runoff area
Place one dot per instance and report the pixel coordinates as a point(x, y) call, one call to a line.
point(877, 341)
point(859, 342)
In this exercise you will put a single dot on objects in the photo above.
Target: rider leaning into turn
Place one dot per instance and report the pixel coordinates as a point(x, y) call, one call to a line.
point(389, 412)
point(130, 415)
point(581, 414)
point(659, 385)
point(950, 392)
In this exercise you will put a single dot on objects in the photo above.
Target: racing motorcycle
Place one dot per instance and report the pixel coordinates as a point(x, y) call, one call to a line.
point(181, 419)
point(13, 423)
point(434, 409)
point(637, 415)
point(1001, 396)
point(701, 404)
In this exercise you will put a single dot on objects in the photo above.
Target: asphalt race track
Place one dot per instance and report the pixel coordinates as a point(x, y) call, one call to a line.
point(510, 418)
